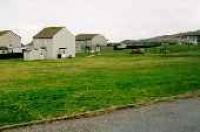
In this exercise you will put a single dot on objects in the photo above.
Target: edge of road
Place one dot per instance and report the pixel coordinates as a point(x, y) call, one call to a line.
point(88, 114)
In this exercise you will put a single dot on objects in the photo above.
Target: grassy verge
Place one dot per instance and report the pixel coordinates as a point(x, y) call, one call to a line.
point(45, 89)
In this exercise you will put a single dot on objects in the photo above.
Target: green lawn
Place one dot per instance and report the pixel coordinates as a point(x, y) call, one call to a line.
point(45, 89)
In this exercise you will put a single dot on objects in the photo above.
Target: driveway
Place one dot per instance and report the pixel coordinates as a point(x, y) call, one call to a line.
point(178, 116)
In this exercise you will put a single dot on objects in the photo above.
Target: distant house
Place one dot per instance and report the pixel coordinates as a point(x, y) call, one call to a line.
point(29, 46)
point(192, 37)
point(9, 42)
point(90, 43)
point(119, 46)
point(51, 43)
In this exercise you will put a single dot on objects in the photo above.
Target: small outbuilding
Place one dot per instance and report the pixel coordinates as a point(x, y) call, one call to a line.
point(51, 43)
point(10, 42)
point(90, 43)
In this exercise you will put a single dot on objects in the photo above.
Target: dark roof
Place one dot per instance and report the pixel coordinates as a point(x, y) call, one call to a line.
point(4, 32)
point(48, 33)
point(85, 37)
point(129, 41)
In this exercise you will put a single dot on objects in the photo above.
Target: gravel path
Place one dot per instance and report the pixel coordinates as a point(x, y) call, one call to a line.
point(178, 116)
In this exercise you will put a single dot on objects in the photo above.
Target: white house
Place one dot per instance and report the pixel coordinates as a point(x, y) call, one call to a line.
point(9, 42)
point(51, 43)
point(90, 42)
point(193, 38)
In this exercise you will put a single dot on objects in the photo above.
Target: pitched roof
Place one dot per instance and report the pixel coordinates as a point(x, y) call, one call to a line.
point(85, 37)
point(4, 32)
point(48, 33)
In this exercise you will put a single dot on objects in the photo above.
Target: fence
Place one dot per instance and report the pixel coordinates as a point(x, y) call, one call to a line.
point(11, 56)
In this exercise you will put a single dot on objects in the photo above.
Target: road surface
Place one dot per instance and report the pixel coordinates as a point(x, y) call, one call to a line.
point(178, 116)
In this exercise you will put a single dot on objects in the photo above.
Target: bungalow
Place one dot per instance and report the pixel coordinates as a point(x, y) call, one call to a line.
point(90, 42)
point(51, 43)
point(9, 42)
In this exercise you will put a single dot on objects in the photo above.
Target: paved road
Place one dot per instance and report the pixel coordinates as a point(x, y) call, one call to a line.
point(179, 116)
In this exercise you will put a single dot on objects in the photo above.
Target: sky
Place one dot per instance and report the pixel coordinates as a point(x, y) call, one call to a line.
point(116, 19)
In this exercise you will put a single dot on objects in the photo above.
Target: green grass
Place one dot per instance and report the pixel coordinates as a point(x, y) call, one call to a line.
point(45, 89)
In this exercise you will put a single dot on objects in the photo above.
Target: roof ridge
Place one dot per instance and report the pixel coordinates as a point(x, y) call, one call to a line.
point(2, 32)
point(85, 37)
point(48, 32)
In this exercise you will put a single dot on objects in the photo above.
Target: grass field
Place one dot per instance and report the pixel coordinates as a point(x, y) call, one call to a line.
point(45, 89)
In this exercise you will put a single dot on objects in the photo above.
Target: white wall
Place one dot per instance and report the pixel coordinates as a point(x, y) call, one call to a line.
point(80, 46)
point(10, 39)
point(45, 43)
point(192, 39)
point(64, 39)
point(99, 40)
point(32, 55)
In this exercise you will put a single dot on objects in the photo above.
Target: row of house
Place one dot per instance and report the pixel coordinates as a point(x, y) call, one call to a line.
point(59, 42)
point(51, 43)
point(187, 38)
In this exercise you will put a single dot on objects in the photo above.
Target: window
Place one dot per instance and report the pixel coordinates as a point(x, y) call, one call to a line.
point(44, 48)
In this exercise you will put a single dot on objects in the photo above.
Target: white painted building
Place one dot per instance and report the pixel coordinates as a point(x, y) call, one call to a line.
point(51, 43)
point(90, 42)
point(9, 42)
point(193, 39)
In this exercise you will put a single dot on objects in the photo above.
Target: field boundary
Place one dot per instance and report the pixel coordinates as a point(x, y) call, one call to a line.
point(194, 94)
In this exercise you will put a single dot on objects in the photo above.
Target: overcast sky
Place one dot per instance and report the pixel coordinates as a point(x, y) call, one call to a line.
point(116, 19)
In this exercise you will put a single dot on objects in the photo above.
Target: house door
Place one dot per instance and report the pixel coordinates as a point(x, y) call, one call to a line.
point(62, 53)
point(43, 53)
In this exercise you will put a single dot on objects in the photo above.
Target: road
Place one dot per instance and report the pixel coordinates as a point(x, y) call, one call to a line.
point(178, 116)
